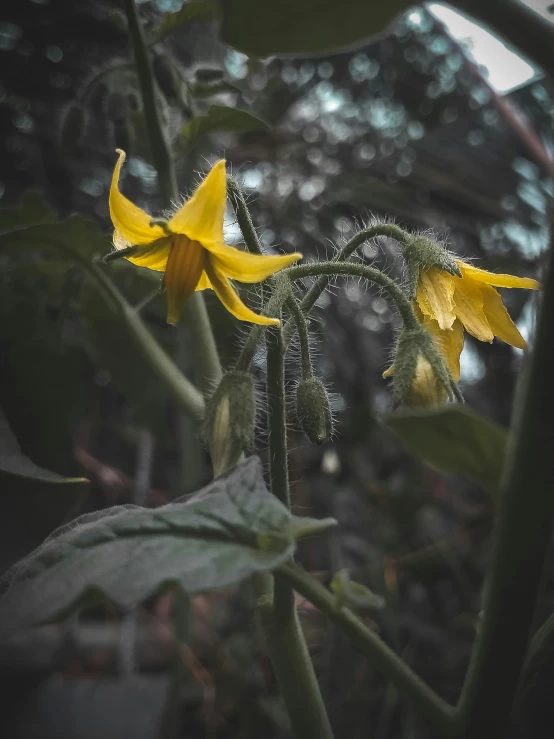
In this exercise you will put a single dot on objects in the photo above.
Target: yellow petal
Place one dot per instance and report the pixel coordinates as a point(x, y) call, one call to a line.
point(490, 278)
point(154, 256)
point(435, 295)
point(131, 222)
point(499, 319)
point(204, 283)
point(388, 372)
point(427, 390)
point(184, 268)
point(468, 304)
point(245, 267)
point(201, 217)
point(228, 296)
point(450, 343)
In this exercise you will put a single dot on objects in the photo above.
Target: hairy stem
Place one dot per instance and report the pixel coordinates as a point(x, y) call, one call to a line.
point(194, 311)
point(284, 637)
point(380, 656)
point(523, 533)
point(303, 335)
point(380, 229)
point(332, 269)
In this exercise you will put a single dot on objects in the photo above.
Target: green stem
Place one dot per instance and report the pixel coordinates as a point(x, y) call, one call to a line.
point(285, 640)
point(381, 657)
point(519, 23)
point(350, 269)
point(194, 311)
point(523, 534)
point(313, 294)
point(243, 217)
point(184, 392)
point(303, 335)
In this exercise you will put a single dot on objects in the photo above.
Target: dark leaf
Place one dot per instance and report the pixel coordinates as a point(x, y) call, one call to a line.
point(193, 10)
point(226, 532)
point(307, 27)
point(221, 118)
point(455, 440)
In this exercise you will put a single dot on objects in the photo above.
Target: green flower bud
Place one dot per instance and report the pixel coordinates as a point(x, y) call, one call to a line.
point(230, 419)
point(421, 252)
point(314, 410)
point(420, 376)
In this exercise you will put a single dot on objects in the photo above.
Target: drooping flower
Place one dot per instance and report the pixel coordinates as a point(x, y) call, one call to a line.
point(447, 304)
point(190, 249)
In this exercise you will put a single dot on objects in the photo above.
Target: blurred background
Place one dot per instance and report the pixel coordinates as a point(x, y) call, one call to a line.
point(433, 126)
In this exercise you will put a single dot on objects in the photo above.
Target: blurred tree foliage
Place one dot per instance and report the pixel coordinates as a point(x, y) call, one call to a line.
point(405, 128)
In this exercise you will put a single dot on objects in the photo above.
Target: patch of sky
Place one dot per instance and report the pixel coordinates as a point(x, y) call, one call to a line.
point(505, 69)
point(10, 33)
point(416, 130)
point(91, 186)
point(532, 243)
point(525, 168)
point(53, 53)
point(384, 114)
point(24, 123)
point(526, 322)
point(531, 194)
point(420, 21)
point(141, 169)
point(311, 188)
point(472, 367)
point(251, 179)
point(236, 65)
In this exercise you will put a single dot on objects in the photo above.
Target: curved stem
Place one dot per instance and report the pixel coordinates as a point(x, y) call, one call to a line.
point(523, 535)
point(439, 713)
point(380, 229)
point(350, 269)
point(194, 311)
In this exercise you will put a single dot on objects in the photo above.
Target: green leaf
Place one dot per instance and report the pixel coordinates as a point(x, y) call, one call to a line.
point(76, 236)
point(306, 27)
point(454, 439)
point(32, 209)
point(192, 11)
point(34, 499)
point(128, 553)
point(13, 461)
point(221, 118)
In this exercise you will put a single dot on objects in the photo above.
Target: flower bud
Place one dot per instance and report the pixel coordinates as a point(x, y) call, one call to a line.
point(421, 252)
point(314, 410)
point(420, 376)
point(230, 419)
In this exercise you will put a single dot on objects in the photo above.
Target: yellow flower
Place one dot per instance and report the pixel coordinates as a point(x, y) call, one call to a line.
point(191, 250)
point(446, 305)
point(426, 391)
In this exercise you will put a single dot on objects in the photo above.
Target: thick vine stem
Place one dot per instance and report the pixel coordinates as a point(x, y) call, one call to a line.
point(523, 535)
point(194, 311)
point(380, 656)
point(284, 637)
